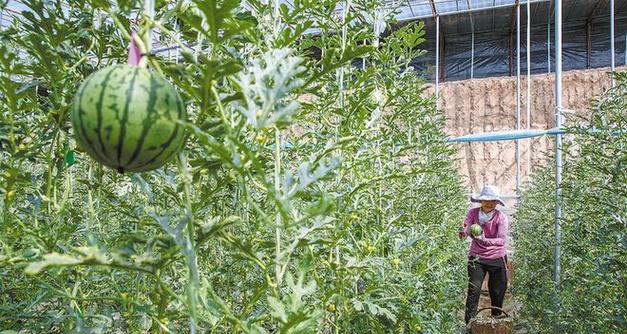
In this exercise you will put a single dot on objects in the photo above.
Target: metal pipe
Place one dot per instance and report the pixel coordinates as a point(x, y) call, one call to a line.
point(558, 144)
point(612, 38)
point(505, 135)
point(517, 93)
point(528, 65)
point(345, 9)
point(548, 40)
point(528, 101)
point(472, 41)
point(588, 44)
point(472, 55)
point(464, 11)
point(437, 56)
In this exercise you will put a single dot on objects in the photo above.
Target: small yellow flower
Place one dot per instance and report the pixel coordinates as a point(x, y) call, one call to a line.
point(396, 261)
point(331, 307)
point(354, 216)
point(261, 138)
point(371, 248)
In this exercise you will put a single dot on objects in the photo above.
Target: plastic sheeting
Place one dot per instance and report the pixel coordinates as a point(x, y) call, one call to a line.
point(494, 50)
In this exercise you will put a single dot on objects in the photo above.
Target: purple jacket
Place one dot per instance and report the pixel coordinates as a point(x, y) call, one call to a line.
point(491, 244)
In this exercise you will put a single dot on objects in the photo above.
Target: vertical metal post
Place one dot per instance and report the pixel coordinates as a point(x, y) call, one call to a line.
point(528, 102)
point(588, 44)
point(472, 54)
point(612, 38)
point(517, 94)
point(345, 8)
point(472, 41)
point(558, 143)
point(528, 64)
point(625, 48)
point(548, 40)
point(437, 57)
point(442, 58)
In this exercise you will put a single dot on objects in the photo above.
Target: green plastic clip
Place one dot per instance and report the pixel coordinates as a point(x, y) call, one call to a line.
point(69, 157)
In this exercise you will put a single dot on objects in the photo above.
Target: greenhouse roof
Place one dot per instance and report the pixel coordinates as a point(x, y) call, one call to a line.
point(482, 14)
point(417, 9)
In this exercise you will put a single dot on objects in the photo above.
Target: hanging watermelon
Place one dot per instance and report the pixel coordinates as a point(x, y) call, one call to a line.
point(126, 117)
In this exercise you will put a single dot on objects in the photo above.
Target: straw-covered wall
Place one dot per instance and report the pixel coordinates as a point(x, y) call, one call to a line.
point(481, 105)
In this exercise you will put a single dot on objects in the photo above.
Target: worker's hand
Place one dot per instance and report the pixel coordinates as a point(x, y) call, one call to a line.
point(461, 233)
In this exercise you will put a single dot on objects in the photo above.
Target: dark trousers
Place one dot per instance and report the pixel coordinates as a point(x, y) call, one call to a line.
point(497, 284)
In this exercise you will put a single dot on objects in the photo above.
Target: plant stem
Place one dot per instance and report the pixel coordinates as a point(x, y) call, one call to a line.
point(190, 254)
point(51, 159)
point(277, 192)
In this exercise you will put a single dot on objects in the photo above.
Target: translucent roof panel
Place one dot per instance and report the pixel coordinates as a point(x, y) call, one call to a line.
point(418, 9)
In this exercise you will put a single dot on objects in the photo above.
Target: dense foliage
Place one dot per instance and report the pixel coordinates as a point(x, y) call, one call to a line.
point(593, 287)
point(312, 195)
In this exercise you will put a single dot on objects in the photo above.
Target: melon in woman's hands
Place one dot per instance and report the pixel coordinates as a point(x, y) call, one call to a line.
point(475, 230)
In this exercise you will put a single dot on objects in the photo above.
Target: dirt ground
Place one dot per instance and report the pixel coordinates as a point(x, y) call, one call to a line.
point(510, 306)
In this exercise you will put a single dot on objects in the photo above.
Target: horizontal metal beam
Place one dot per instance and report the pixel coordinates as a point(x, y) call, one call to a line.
point(505, 135)
point(521, 134)
point(477, 9)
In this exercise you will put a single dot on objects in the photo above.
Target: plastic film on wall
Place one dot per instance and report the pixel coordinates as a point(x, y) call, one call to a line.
point(491, 56)
point(600, 37)
point(493, 49)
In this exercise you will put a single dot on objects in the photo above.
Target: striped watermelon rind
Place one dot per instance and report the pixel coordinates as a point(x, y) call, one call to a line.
point(476, 230)
point(127, 118)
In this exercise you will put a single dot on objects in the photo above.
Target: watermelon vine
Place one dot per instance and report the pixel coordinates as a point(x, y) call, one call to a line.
point(299, 203)
point(592, 290)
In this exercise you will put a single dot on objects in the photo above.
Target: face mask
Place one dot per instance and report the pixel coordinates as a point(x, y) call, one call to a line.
point(484, 217)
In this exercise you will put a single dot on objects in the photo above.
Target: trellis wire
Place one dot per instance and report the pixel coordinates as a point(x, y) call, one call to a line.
point(437, 58)
point(517, 93)
point(558, 146)
point(472, 41)
point(528, 102)
point(612, 39)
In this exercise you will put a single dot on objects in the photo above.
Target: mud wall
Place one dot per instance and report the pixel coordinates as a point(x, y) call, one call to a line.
point(481, 105)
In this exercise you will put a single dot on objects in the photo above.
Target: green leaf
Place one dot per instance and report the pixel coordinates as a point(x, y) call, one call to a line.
point(216, 13)
point(277, 309)
point(265, 87)
point(89, 255)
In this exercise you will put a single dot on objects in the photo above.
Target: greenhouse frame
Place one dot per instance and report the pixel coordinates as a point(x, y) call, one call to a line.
point(300, 166)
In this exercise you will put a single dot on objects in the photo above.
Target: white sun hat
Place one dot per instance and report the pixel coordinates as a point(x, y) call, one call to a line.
point(488, 193)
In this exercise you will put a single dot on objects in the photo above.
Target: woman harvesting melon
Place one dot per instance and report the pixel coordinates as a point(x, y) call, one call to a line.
point(487, 227)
